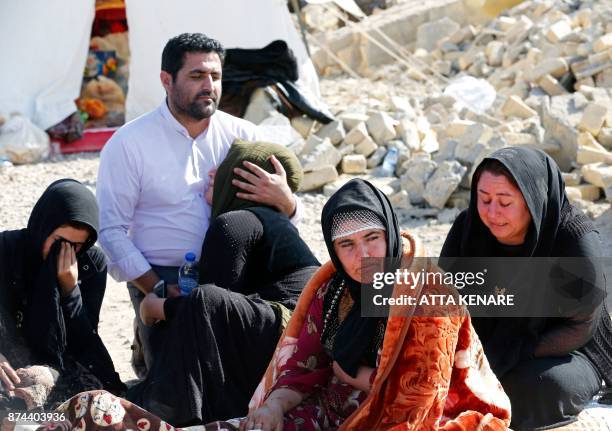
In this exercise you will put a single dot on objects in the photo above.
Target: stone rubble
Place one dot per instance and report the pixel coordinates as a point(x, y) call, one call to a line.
point(549, 62)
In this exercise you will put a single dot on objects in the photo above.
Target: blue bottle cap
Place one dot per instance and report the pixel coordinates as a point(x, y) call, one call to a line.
point(190, 257)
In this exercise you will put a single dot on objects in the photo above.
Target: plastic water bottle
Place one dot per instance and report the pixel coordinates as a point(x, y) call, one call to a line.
point(390, 162)
point(189, 274)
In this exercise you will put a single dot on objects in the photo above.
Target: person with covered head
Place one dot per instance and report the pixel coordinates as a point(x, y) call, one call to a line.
point(52, 282)
point(550, 365)
point(219, 339)
point(336, 369)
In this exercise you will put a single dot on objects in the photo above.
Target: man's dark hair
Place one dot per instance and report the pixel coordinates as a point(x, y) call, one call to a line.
point(173, 56)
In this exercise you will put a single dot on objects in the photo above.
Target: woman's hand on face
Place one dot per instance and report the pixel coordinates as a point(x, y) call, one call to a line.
point(8, 376)
point(67, 268)
point(268, 417)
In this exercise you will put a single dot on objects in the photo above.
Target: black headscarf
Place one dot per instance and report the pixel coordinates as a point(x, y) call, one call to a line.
point(355, 334)
point(541, 184)
point(554, 223)
point(65, 201)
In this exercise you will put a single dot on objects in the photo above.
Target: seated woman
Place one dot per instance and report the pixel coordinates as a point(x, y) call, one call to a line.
point(220, 338)
point(549, 366)
point(335, 369)
point(52, 283)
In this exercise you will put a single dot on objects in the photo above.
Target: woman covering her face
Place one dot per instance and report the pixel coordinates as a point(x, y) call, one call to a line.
point(549, 366)
point(52, 281)
point(335, 369)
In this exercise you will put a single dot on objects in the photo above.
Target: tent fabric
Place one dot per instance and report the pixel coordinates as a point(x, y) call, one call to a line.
point(236, 23)
point(45, 46)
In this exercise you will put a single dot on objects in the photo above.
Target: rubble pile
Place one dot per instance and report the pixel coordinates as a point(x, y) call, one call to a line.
point(550, 66)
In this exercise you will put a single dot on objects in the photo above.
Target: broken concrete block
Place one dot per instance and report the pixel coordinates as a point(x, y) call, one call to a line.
point(605, 137)
point(459, 128)
point(473, 56)
point(558, 31)
point(586, 192)
point(518, 139)
point(465, 33)
point(505, 23)
point(495, 53)
point(597, 174)
point(573, 194)
point(346, 150)
point(366, 147)
point(590, 151)
point(334, 131)
point(325, 154)
point(430, 33)
point(377, 157)
point(573, 178)
point(304, 125)
point(593, 118)
point(560, 119)
point(352, 119)
point(549, 66)
point(402, 105)
point(443, 183)
point(353, 164)
point(515, 107)
point(603, 43)
point(400, 200)
point(356, 134)
point(519, 31)
point(420, 167)
point(381, 127)
point(604, 78)
point(429, 143)
point(592, 65)
point(551, 86)
point(318, 178)
point(312, 142)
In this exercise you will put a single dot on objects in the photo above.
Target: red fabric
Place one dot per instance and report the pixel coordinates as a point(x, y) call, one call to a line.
point(309, 371)
point(432, 373)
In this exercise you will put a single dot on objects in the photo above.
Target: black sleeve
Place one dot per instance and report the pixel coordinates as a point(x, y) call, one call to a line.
point(568, 333)
point(81, 309)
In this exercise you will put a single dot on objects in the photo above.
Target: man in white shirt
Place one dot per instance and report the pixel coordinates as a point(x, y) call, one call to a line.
point(153, 173)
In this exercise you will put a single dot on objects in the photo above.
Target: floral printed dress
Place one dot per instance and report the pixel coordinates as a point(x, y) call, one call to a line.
point(309, 371)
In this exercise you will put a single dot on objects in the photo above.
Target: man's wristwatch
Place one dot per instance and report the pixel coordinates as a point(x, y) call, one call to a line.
point(160, 289)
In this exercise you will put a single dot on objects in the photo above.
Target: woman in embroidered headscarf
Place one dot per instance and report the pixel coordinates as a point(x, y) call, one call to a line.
point(220, 338)
point(52, 282)
point(335, 369)
point(549, 366)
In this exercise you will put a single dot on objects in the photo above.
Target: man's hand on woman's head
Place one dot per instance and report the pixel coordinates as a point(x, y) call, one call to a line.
point(266, 188)
point(8, 376)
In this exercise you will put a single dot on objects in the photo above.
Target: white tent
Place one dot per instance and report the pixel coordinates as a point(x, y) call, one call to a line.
point(44, 44)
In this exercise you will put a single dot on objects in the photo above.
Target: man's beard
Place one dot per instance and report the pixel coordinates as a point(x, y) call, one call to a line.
point(197, 109)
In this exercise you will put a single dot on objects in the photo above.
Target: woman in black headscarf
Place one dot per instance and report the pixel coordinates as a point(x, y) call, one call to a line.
point(52, 282)
point(337, 369)
point(549, 366)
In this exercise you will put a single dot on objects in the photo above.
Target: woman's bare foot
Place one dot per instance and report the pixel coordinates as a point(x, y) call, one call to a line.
point(152, 309)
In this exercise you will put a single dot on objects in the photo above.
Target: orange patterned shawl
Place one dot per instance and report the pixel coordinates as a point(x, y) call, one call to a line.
point(432, 375)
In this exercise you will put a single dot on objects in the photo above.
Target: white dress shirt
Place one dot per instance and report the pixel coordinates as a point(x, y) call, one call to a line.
point(151, 185)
